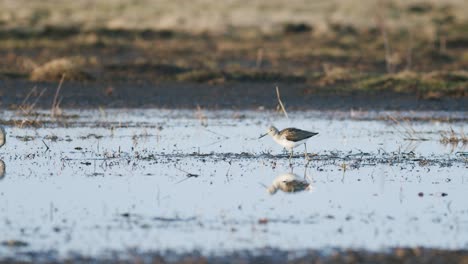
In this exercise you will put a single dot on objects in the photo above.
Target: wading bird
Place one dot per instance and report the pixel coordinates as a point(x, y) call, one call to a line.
point(290, 138)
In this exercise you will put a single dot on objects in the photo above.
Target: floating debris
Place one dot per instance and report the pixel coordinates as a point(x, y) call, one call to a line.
point(173, 219)
point(25, 138)
point(14, 243)
point(91, 136)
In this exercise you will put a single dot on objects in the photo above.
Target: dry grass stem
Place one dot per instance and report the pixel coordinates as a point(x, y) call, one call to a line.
point(56, 111)
point(281, 103)
point(201, 116)
point(388, 51)
point(258, 62)
point(406, 130)
point(28, 108)
point(409, 52)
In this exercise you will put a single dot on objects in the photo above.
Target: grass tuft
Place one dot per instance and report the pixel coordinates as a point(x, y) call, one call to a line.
point(201, 76)
point(334, 74)
point(432, 85)
point(451, 137)
point(52, 71)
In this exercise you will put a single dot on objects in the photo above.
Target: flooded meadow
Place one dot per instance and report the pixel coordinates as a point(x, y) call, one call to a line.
point(96, 183)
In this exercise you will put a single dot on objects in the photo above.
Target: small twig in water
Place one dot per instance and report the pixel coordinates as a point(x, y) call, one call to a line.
point(216, 133)
point(47, 147)
point(188, 175)
point(227, 172)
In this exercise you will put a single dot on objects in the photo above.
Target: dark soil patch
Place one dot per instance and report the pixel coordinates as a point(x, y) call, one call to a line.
point(244, 95)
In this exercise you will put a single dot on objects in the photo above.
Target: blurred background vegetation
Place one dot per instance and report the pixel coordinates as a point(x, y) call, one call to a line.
point(424, 17)
point(411, 46)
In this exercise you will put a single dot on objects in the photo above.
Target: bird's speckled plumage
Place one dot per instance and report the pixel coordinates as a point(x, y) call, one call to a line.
point(295, 134)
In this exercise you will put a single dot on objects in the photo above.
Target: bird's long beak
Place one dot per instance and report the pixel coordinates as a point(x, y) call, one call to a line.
point(263, 135)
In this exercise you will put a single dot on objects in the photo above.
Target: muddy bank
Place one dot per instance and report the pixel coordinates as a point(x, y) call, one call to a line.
point(245, 95)
point(268, 255)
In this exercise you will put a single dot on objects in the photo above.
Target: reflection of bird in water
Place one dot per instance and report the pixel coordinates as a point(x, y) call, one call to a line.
point(290, 137)
point(2, 136)
point(2, 169)
point(289, 182)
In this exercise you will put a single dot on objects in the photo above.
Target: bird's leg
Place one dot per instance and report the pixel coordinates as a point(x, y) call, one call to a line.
point(290, 156)
point(308, 160)
point(306, 155)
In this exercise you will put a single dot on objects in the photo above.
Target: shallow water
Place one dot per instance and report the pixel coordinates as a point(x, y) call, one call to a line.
point(183, 180)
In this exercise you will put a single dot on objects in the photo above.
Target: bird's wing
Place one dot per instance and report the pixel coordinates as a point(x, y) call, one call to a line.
point(295, 134)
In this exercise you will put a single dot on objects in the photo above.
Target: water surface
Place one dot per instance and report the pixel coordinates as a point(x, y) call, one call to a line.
point(111, 180)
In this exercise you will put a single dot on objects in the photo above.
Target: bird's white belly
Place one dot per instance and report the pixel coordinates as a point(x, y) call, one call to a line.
point(288, 144)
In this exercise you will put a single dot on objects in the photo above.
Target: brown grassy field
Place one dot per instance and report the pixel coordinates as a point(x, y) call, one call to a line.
point(206, 15)
point(340, 46)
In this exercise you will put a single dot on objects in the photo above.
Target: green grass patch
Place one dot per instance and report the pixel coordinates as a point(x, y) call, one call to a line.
point(434, 84)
